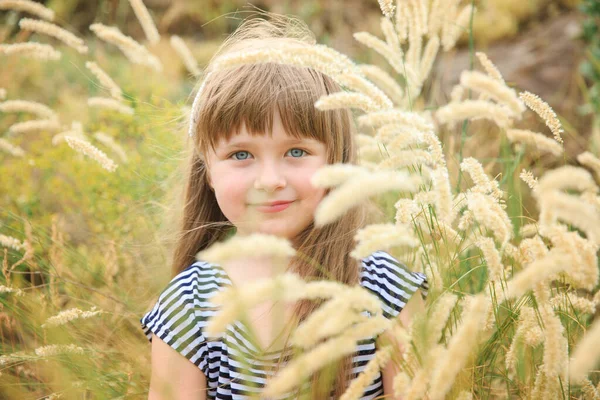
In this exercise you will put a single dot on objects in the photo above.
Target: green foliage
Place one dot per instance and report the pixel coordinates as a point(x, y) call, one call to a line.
point(124, 209)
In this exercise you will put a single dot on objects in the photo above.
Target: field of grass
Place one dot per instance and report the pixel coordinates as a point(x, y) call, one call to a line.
point(511, 258)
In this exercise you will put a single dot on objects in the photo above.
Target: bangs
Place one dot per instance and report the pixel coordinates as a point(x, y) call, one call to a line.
point(250, 94)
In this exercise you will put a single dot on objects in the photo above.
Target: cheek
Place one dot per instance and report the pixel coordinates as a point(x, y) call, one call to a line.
point(318, 194)
point(228, 200)
point(314, 194)
point(229, 192)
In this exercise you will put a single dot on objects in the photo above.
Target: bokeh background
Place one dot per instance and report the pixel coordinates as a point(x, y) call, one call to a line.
point(99, 241)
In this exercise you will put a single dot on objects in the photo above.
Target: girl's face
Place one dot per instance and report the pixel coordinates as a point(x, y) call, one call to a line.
point(246, 172)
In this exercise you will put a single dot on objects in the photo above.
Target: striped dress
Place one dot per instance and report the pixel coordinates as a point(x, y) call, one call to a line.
point(183, 308)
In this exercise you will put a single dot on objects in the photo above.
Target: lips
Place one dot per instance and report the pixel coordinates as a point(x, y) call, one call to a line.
point(275, 203)
point(278, 207)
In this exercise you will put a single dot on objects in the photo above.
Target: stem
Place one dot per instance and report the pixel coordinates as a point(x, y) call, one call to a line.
point(465, 124)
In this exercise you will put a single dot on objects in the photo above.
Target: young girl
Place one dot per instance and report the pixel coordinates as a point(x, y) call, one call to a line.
point(256, 140)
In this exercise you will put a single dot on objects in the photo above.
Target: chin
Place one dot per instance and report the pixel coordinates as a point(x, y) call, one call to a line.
point(276, 230)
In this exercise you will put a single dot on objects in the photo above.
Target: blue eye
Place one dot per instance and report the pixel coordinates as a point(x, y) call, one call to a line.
point(298, 150)
point(238, 152)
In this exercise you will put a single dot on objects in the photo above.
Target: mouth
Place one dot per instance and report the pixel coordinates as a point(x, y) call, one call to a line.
point(274, 206)
point(275, 203)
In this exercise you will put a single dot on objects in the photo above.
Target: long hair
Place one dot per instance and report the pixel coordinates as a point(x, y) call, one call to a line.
point(249, 95)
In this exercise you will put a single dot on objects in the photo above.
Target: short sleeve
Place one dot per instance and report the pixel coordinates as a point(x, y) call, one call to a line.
point(391, 281)
point(176, 317)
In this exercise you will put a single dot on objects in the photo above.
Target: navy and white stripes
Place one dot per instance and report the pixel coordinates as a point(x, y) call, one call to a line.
point(183, 309)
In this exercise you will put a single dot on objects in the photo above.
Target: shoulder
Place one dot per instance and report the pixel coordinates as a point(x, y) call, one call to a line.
point(184, 300)
point(391, 280)
point(180, 314)
point(199, 277)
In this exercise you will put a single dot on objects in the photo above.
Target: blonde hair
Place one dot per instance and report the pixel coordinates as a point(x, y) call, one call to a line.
point(249, 95)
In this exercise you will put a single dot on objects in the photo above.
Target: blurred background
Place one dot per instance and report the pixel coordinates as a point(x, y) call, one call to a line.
point(94, 239)
point(548, 47)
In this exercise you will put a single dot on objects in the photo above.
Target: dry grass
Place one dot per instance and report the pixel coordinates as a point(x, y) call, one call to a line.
point(507, 308)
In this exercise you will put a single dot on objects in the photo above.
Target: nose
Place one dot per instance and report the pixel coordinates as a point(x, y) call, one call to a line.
point(270, 178)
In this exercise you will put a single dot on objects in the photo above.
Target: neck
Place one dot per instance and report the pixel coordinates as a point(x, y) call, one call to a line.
point(260, 267)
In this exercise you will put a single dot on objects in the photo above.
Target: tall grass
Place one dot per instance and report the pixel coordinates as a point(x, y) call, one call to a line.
point(513, 291)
